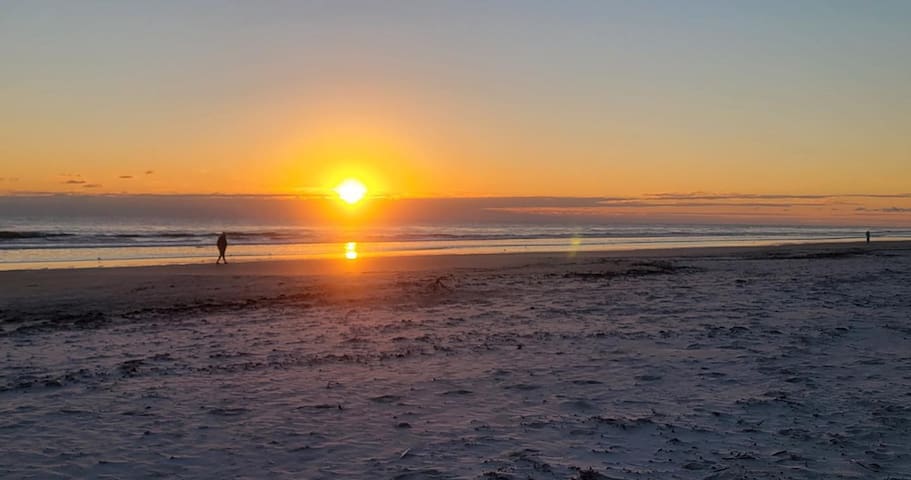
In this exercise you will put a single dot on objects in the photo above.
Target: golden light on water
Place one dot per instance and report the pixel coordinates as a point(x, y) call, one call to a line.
point(351, 190)
point(351, 250)
point(574, 244)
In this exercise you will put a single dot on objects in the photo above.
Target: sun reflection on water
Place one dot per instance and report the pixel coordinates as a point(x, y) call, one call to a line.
point(351, 250)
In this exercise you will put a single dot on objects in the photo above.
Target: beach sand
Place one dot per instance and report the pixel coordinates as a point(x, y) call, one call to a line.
point(724, 363)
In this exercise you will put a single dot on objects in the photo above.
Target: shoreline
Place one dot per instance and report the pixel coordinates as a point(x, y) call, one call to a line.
point(55, 294)
point(623, 250)
point(439, 261)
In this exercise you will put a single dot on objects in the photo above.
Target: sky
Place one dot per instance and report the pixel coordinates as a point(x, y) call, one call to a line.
point(654, 101)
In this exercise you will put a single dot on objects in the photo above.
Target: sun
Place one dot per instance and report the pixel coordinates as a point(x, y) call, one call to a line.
point(351, 190)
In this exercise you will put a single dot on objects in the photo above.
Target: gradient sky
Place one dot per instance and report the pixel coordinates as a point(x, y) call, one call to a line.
point(457, 98)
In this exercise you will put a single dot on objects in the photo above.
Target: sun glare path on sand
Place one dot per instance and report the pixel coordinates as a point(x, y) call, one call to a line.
point(351, 191)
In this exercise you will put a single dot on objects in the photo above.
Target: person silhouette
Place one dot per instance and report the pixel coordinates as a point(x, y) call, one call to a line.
point(868, 236)
point(222, 244)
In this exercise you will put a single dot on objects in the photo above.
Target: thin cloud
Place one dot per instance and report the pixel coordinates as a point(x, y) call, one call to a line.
point(597, 210)
point(875, 195)
point(656, 202)
point(730, 196)
point(92, 185)
point(35, 193)
point(766, 196)
point(149, 172)
point(727, 204)
point(74, 182)
point(884, 210)
point(125, 177)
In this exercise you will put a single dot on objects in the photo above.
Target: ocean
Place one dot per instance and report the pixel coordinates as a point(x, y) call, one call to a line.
point(38, 243)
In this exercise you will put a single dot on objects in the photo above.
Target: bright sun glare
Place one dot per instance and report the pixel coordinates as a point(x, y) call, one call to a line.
point(351, 190)
point(351, 250)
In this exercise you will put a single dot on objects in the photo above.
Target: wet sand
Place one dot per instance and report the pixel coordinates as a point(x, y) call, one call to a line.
point(766, 362)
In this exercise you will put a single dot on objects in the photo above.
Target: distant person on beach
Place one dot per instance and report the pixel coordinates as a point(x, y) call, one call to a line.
point(868, 236)
point(222, 246)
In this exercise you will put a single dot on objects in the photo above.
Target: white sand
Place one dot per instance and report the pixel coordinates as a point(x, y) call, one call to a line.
point(790, 362)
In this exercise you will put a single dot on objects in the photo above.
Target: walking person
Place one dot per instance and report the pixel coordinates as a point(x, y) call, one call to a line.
point(222, 244)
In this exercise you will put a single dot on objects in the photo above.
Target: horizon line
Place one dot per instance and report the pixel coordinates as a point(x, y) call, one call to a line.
point(662, 196)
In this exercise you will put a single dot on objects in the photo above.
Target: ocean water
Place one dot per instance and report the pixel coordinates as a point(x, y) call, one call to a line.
point(31, 243)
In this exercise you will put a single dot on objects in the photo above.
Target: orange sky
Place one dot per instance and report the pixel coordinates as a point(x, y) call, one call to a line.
point(454, 100)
